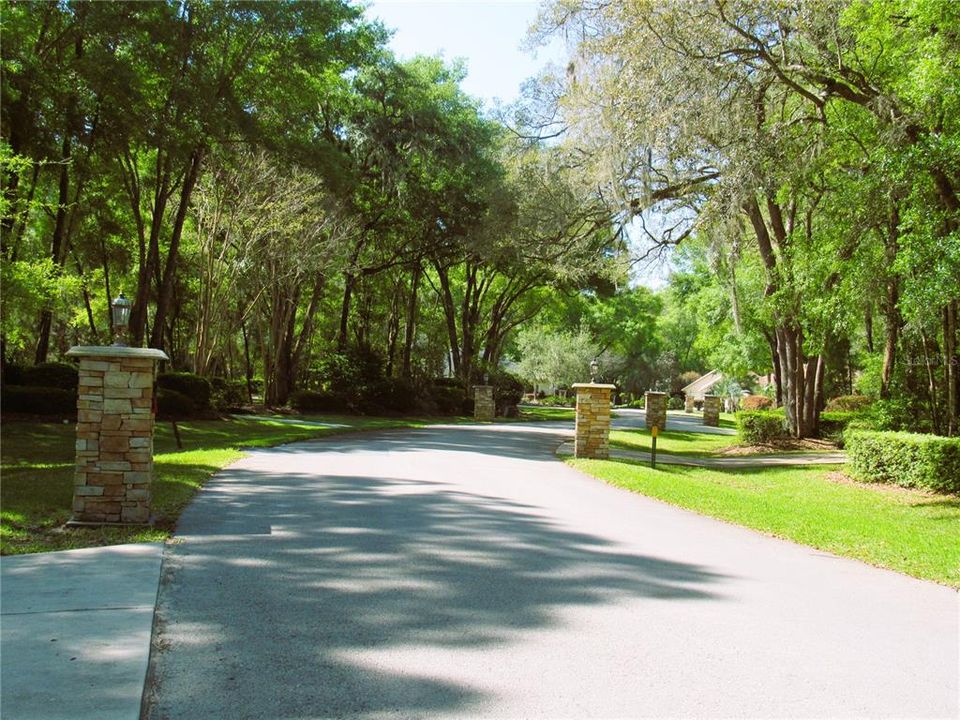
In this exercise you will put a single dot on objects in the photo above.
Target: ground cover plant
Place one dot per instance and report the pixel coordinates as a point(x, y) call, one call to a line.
point(905, 530)
point(37, 467)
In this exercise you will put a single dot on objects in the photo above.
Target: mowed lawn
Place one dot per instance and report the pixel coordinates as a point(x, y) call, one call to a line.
point(36, 492)
point(913, 532)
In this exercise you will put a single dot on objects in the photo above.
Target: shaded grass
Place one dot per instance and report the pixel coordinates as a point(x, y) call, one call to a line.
point(909, 531)
point(672, 442)
point(37, 468)
point(536, 412)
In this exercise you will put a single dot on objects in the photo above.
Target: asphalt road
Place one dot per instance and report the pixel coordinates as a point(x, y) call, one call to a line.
point(466, 572)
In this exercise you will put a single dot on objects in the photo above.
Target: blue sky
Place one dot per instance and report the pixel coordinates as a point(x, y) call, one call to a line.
point(486, 33)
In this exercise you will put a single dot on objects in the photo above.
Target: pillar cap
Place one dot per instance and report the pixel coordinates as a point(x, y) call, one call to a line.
point(654, 392)
point(601, 386)
point(116, 351)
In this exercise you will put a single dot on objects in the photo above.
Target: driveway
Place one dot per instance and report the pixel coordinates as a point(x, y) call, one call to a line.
point(464, 571)
point(677, 420)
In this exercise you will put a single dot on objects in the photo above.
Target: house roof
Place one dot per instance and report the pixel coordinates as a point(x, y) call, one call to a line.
point(703, 383)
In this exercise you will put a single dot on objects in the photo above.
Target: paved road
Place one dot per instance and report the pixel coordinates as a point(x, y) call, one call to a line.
point(677, 421)
point(466, 572)
point(731, 462)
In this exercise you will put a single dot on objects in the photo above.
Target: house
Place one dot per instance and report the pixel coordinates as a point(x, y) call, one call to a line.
point(703, 385)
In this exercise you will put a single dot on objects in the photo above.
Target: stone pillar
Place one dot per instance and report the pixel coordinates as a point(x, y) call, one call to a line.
point(711, 410)
point(484, 407)
point(688, 403)
point(114, 468)
point(592, 438)
point(656, 410)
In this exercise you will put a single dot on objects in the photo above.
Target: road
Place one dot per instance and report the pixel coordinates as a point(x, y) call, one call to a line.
point(463, 571)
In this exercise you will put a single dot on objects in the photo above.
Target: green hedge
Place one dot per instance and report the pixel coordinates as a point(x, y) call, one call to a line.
point(193, 386)
point(760, 427)
point(173, 405)
point(317, 401)
point(50, 375)
point(39, 400)
point(930, 462)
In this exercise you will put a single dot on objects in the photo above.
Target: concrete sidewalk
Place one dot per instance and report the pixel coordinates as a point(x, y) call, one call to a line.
point(75, 632)
point(725, 463)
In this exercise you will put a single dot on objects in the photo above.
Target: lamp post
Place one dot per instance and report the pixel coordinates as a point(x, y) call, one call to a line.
point(120, 313)
point(594, 370)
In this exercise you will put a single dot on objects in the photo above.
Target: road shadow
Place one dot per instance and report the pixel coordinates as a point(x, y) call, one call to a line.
point(282, 586)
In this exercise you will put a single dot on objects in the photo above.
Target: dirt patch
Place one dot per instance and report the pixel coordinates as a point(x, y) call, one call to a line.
point(804, 445)
point(906, 494)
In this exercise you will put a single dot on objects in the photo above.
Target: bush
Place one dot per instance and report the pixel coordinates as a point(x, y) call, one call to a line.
point(848, 403)
point(50, 375)
point(756, 402)
point(389, 394)
point(640, 404)
point(675, 403)
point(195, 388)
point(39, 400)
point(930, 462)
point(558, 401)
point(226, 394)
point(174, 405)
point(891, 415)
point(317, 401)
point(449, 399)
point(507, 390)
point(834, 424)
point(760, 427)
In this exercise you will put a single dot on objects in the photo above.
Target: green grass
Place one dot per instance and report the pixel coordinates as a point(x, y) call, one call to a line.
point(37, 468)
point(672, 442)
point(912, 532)
point(535, 412)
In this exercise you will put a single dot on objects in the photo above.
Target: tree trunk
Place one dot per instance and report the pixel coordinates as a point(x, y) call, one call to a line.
point(410, 329)
point(951, 366)
point(173, 254)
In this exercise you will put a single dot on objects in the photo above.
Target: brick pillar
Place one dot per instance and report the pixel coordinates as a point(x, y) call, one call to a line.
point(711, 410)
point(688, 403)
point(484, 408)
point(593, 421)
point(656, 410)
point(114, 466)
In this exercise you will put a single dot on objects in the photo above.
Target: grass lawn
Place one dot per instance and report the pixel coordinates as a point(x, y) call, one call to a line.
point(37, 468)
point(536, 412)
point(672, 442)
point(912, 532)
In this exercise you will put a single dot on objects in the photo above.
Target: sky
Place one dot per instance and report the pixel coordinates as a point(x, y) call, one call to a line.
point(486, 33)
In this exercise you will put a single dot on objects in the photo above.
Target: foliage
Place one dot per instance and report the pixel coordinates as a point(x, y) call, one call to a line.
point(760, 427)
point(174, 404)
point(848, 403)
point(507, 391)
point(911, 460)
point(195, 388)
point(51, 375)
point(226, 394)
point(40, 400)
point(317, 401)
point(555, 358)
point(756, 402)
point(675, 403)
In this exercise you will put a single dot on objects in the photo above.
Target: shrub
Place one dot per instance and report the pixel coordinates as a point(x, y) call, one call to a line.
point(558, 401)
point(640, 404)
point(930, 462)
point(891, 415)
point(39, 400)
point(317, 401)
point(174, 405)
point(226, 394)
point(675, 403)
point(756, 402)
point(390, 395)
point(847, 403)
point(449, 399)
point(194, 387)
point(507, 390)
point(50, 375)
point(834, 424)
point(760, 427)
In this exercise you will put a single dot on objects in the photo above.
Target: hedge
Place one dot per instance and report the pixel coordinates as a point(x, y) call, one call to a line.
point(50, 375)
point(193, 386)
point(848, 403)
point(930, 462)
point(756, 402)
point(173, 405)
point(317, 401)
point(39, 400)
point(760, 427)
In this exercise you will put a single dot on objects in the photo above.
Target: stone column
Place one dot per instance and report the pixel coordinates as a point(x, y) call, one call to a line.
point(484, 407)
point(711, 410)
point(593, 421)
point(114, 467)
point(656, 410)
point(688, 403)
